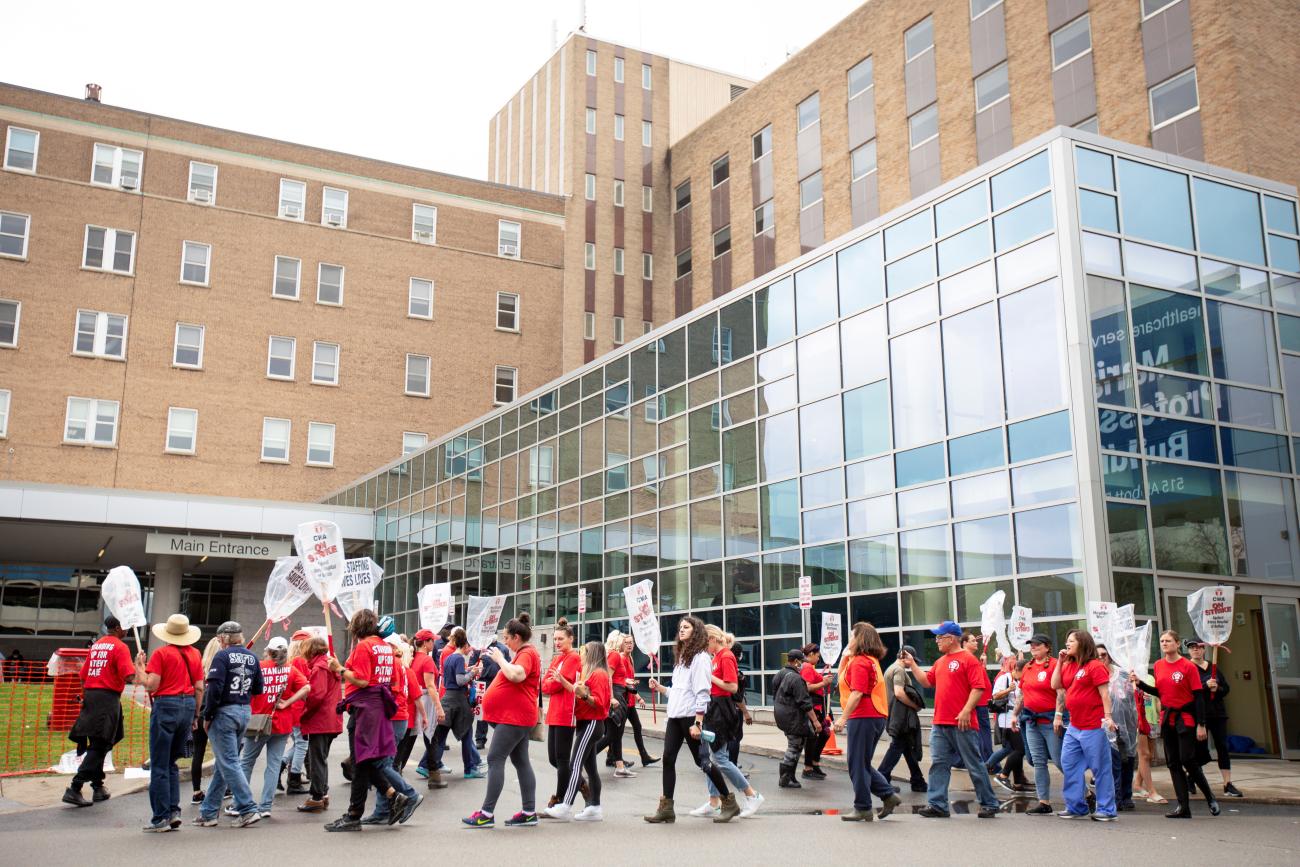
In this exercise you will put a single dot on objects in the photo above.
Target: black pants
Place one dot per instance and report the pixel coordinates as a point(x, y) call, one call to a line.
point(559, 751)
point(1218, 731)
point(907, 748)
point(733, 744)
point(480, 734)
point(365, 775)
point(612, 740)
point(813, 746)
point(404, 750)
point(1013, 765)
point(196, 763)
point(677, 733)
point(318, 753)
point(583, 758)
point(1184, 770)
point(635, 722)
point(92, 763)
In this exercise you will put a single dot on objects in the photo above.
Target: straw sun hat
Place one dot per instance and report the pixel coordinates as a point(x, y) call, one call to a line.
point(177, 630)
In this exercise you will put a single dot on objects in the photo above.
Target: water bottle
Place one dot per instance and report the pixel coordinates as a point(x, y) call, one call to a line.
point(707, 736)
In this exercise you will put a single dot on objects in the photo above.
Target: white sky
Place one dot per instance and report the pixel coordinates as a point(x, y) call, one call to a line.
point(413, 83)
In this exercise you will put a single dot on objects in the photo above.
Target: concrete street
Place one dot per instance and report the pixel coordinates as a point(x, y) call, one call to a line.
point(793, 827)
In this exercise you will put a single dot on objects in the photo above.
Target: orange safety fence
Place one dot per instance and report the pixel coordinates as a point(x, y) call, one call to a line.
point(39, 702)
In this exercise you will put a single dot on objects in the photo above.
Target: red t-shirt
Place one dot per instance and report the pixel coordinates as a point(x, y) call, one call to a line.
point(725, 669)
point(809, 673)
point(863, 675)
point(414, 689)
point(371, 660)
point(278, 683)
point(1036, 690)
point(619, 672)
point(1177, 683)
point(422, 664)
point(559, 710)
point(178, 668)
point(598, 683)
point(988, 686)
point(108, 665)
point(1081, 698)
point(515, 704)
point(299, 663)
point(398, 686)
point(953, 677)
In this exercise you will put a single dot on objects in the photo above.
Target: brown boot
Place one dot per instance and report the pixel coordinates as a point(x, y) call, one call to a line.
point(311, 805)
point(436, 781)
point(730, 809)
point(665, 814)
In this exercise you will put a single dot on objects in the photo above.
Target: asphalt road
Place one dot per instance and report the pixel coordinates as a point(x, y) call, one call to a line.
point(792, 827)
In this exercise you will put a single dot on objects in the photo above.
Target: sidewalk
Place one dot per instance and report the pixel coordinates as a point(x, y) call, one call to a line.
point(46, 790)
point(1264, 781)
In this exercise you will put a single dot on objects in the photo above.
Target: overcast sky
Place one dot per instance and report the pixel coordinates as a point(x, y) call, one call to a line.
point(413, 83)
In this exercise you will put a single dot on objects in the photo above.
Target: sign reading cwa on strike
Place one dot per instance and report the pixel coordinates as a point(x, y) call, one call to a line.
point(216, 546)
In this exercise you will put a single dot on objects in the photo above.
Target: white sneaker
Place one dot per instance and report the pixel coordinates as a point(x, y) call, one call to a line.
point(752, 805)
point(590, 813)
point(230, 811)
point(706, 811)
point(624, 773)
point(560, 811)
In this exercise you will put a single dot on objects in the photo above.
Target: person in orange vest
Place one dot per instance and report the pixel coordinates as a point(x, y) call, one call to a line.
point(864, 715)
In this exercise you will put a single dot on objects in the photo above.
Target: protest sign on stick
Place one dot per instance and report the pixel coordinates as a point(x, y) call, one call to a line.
point(121, 593)
point(1099, 621)
point(832, 642)
point(1138, 648)
point(286, 590)
point(993, 622)
point(645, 628)
point(1211, 611)
point(1119, 629)
point(320, 545)
point(482, 618)
point(435, 605)
point(361, 576)
point(1021, 627)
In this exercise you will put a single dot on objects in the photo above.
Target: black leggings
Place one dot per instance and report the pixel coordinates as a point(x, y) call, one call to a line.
point(635, 722)
point(1180, 754)
point(196, 763)
point(612, 739)
point(677, 733)
point(559, 752)
point(813, 746)
point(583, 757)
point(1218, 729)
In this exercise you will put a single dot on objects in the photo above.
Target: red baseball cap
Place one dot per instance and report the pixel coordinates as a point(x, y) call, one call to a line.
point(424, 635)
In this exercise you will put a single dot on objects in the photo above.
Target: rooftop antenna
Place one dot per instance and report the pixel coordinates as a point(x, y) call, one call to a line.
point(555, 34)
point(582, 16)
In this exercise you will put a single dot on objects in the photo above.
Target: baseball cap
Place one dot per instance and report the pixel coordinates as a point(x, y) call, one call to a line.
point(230, 627)
point(424, 635)
point(301, 635)
point(277, 643)
point(947, 628)
point(795, 654)
point(1041, 638)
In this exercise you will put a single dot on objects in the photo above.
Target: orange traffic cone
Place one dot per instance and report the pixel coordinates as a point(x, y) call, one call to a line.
point(831, 749)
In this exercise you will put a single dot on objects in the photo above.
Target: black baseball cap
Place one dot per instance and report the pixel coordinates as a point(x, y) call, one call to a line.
point(1041, 638)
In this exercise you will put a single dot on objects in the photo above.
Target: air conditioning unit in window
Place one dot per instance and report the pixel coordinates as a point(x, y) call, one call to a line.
point(511, 250)
point(130, 183)
point(424, 237)
point(292, 212)
point(202, 195)
point(334, 219)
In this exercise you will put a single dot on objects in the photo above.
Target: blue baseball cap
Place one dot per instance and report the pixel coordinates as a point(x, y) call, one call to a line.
point(947, 628)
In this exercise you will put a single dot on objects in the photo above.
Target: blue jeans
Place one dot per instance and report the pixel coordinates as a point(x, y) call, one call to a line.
point(1087, 749)
point(947, 745)
point(224, 733)
point(721, 754)
point(390, 774)
point(275, 745)
point(1044, 746)
point(169, 726)
point(863, 735)
point(468, 754)
point(299, 755)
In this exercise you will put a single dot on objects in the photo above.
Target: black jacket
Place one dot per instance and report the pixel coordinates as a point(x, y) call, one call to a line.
point(1214, 708)
point(791, 701)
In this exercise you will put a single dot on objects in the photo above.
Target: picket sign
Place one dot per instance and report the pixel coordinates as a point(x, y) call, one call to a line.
point(1099, 620)
point(435, 606)
point(993, 622)
point(1021, 627)
point(1211, 611)
point(286, 590)
point(482, 618)
point(121, 593)
point(832, 643)
point(361, 576)
point(320, 545)
point(645, 628)
point(1138, 648)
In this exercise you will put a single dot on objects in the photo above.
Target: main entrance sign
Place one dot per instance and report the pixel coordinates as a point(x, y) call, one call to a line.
point(217, 546)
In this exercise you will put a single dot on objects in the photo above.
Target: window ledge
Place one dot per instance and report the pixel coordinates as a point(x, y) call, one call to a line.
point(15, 258)
point(319, 466)
point(507, 330)
point(120, 360)
point(192, 283)
point(326, 384)
point(415, 394)
point(187, 366)
point(179, 452)
point(283, 461)
point(286, 297)
point(89, 445)
point(130, 273)
point(321, 303)
point(280, 378)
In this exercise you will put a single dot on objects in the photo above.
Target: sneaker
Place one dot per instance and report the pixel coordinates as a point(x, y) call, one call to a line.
point(706, 810)
point(928, 812)
point(375, 819)
point(814, 774)
point(344, 823)
point(483, 767)
point(265, 814)
point(409, 809)
point(629, 765)
point(559, 812)
point(158, 827)
point(1004, 781)
point(987, 813)
point(917, 787)
point(231, 811)
point(751, 805)
point(443, 769)
point(478, 819)
point(396, 807)
point(522, 820)
point(248, 819)
point(201, 821)
point(624, 773)
point(422, 772)
point(1066, 814)
point(1040, 810)
point(197, 797)
point(475, 774)
point(590, 813)
point(176, 821)
point(1232, 791)
point(1102, 817)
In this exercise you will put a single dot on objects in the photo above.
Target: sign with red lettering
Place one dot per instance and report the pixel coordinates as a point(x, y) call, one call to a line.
point(121, 593)
point(320, 545)
point(641, 616)
point(832, 642)
point(1211, 611)
point(582, 601)
point(805, 592)
point(482, 618)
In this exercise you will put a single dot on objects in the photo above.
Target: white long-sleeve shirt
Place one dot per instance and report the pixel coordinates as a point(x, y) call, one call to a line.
point(689, 693)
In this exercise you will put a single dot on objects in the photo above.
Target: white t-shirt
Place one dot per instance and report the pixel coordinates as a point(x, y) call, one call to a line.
point(1006, 681)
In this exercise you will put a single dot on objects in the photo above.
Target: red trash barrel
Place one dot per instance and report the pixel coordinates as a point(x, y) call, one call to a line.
point(66, 668)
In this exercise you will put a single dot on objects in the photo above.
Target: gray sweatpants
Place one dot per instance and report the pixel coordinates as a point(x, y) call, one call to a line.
point(512, 742)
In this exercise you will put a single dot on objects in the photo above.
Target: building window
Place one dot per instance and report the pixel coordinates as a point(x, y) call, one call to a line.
point(329, 284)
point(91, 422)
point(647, 266)
point(991, 87)
point(645, 76)
point(182, 430)
point(288, 276)
point(979, 7)
point(507, 311)
point(21, 146)
point(722, 341)
point(919, 39)
point(1071, 41)
point(764, 218)
point(923, 126)
point(280, 355)
point(618, 330)
point(424, 224)
point(293, 199)
point(618, 69)
point(721, 169)
point(1155, 7)
point(419, 300)
point(647, 133)
point(591, 62)
point(325, 363)
point(10, 313)
point(591, 121)
point(810, 190)
point(683, 263)
point(647, 199)
point(109, 250)
point(589, 186)
point(188, 348)
point(508, 239)
point(589, 256)
point(618, 127)
point(1174, 99)
point(320, 444)
point(417, 375)
point(618, 261)
point(682, 196)
point(275, 440)
point(861, 77)
point(809, 111)
point(334, 207)
point(117, 167)
point(863, 160)
point(618, 193)
point(504, 388)
point(13, 234)
point(762, 142)
point(102, 335)
point(589, 326)
point(722, 241)
point(203, 183)
point(413, 442)
point(4, 412)
point(195, 259)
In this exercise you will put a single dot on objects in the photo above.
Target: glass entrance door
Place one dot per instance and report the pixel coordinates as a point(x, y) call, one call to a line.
point(1282, 630)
